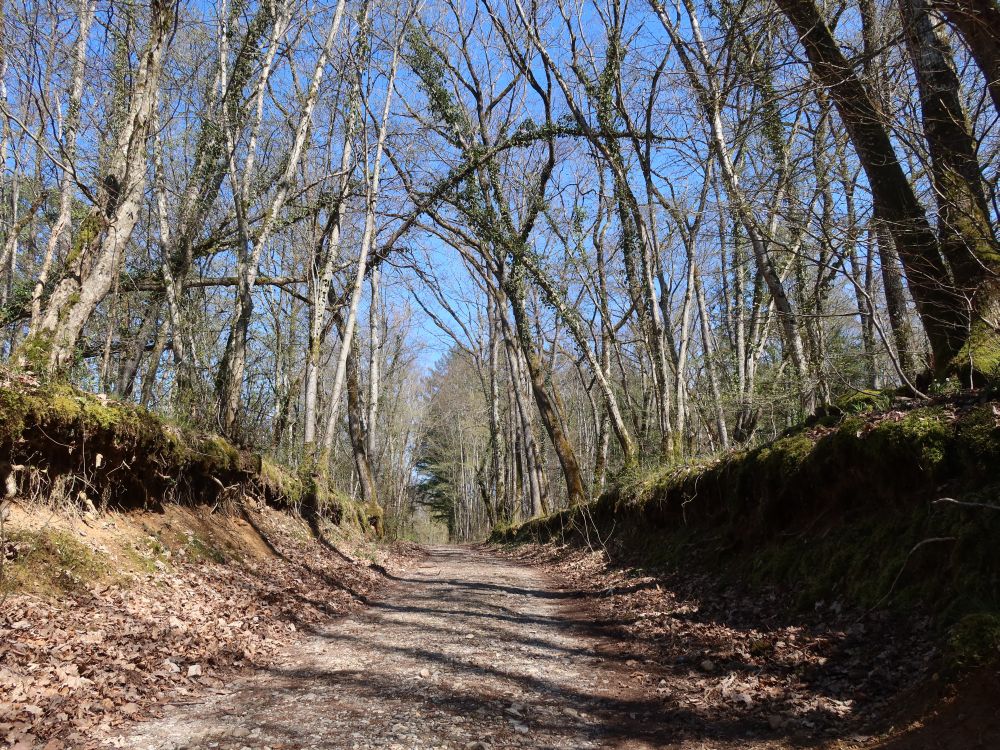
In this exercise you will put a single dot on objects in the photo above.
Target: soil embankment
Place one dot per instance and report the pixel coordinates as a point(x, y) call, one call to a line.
point(107, 618)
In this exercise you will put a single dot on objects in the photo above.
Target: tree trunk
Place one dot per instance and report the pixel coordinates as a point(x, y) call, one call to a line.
point(940, 308)
point(129, 366)
point(230, 382)
point(547, 408)
point(709, 99)
point(374, 360)
point(722, 432)
point(357, 428)
point(534, 476)
point(99, 247)
point(66, 187)
point(575, 325)
point(367, 243)
point(496, 445)
point(978, 23)
point(966, 235)
point(321, 275)
point(210, 164)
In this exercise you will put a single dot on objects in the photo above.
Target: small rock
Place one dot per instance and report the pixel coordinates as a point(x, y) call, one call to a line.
point(708, 665)
point(425, 673)
point(194, 670)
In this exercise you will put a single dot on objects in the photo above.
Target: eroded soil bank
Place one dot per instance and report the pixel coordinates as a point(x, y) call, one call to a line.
point(106, 618)
point(740, 667)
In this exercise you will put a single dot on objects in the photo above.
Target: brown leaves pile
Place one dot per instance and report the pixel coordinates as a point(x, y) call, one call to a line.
point(72, 669)
point(721, 656)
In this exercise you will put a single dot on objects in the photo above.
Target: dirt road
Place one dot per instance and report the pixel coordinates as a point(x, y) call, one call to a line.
point(464, 650)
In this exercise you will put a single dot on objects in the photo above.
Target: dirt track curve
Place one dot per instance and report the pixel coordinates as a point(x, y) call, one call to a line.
point(464, 650)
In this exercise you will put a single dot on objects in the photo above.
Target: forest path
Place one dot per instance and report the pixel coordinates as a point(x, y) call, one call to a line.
point(463, 650)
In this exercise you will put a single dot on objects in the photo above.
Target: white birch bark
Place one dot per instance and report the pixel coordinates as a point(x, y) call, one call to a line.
point(234, 360)
point(100, 245)
point(373, 175)
point(70, 125)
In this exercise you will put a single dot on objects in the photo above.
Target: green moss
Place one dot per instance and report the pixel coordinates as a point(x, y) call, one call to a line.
point(830, 514)
point(52, 562)
point(856, 562)
point(635, 485)
point(975, 640)
point(105, 417)
point(784, 456)
point(13, 408)
point(865, 401)
point(218, 452)
point(34, 353)
point(198, 549)
point(922, 435)
point(280, 482)
point(160, 455)
point(978, 443)
point(89, 230)
point(981, 353)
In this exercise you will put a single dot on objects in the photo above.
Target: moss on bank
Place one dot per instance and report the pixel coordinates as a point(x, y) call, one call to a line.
point(50, 562)
point(121, 456)
point(844, 509)
point(980, 356)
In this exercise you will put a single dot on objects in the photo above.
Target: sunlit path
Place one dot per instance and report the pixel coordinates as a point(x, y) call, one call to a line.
point(465, 648)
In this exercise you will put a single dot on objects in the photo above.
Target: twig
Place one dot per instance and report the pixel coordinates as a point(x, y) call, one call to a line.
point(917, 546)
point(4, 509)
point(965, 504)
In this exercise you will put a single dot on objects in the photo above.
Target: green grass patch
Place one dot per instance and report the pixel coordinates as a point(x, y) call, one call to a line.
point(51, 562)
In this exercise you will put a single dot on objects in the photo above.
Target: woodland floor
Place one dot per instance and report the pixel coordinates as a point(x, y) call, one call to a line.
point(470, 648)
point(300, 646)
